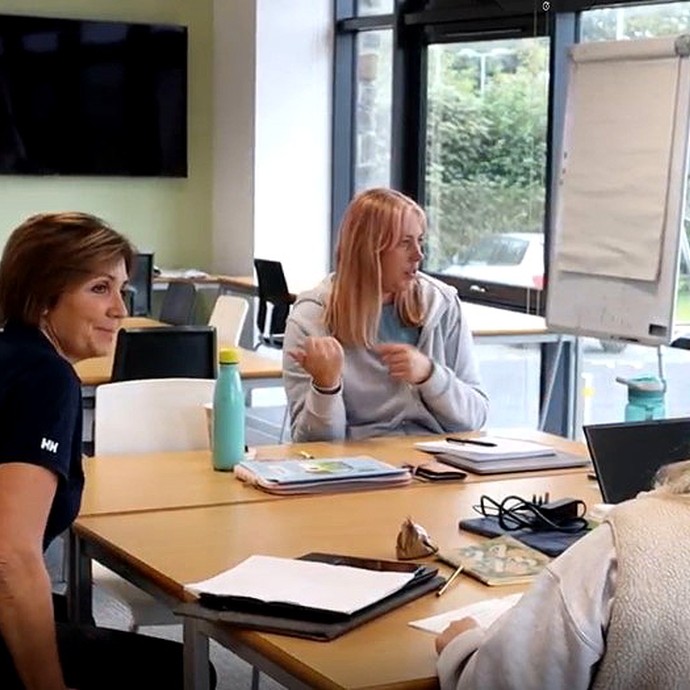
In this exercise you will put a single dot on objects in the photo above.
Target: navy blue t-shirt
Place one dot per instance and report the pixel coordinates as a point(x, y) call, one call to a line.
point(41, 418)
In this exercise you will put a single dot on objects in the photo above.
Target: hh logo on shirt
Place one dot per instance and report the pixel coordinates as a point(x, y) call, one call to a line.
point(47, 444)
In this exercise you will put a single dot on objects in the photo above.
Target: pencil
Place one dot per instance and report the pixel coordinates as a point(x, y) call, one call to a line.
point(305, 455)
point(449, 581)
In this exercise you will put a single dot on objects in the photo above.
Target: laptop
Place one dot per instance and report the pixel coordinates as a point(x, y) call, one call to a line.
point(626, 455)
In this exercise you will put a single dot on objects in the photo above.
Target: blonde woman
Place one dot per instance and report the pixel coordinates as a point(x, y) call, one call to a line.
point(610, 612)
point(378, 347)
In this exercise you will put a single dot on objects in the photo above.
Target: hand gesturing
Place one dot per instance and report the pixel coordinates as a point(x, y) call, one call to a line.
point(405, 362)
point(321, 357)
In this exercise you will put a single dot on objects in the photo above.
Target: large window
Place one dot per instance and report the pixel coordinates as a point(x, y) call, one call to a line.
point(373, 114)
point(372, 7)
point(485, 159)
point(449, 101)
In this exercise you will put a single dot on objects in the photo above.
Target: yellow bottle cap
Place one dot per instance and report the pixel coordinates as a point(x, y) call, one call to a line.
point(228, 355)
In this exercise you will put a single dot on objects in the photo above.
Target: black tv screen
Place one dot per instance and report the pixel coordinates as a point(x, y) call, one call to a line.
point(92, 98)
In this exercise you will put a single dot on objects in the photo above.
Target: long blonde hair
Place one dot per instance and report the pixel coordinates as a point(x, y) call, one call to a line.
point(373, 223)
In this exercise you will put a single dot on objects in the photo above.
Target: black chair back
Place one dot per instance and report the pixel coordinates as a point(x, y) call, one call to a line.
point(273, 290)
point(178, 304)
point(165, 352)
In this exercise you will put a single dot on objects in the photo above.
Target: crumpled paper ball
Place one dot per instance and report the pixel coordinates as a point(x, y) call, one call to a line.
point(413, 542)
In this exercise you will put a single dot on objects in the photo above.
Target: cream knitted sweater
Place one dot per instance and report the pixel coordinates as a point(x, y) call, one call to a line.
point(648, 639)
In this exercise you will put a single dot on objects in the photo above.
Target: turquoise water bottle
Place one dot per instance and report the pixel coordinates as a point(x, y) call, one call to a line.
point(645, 398)
point(228, 412)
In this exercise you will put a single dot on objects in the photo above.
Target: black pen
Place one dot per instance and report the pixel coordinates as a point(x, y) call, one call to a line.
point(471, 442)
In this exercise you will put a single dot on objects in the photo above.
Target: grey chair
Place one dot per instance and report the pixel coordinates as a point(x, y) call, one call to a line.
point(178, 304)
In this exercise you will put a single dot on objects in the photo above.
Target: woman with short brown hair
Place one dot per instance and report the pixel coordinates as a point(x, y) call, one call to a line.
point(61, 278)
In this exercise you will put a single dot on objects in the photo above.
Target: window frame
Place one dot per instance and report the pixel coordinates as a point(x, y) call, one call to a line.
point(416, 24)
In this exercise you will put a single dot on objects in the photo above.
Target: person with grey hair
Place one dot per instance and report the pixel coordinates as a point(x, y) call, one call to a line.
point(610, 612)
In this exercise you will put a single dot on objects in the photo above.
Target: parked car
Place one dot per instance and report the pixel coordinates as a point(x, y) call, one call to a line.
point(513, 258)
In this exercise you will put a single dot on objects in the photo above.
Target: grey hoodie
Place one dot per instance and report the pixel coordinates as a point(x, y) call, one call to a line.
point(370, 402)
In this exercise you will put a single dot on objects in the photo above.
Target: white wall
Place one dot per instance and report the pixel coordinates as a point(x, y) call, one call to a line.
point(234, 77)
point(272, 136)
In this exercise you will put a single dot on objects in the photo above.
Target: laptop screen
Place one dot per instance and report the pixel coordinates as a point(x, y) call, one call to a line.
point(627, 455)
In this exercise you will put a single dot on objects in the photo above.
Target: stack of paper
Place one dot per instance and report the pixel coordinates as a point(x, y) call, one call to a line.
point(492, 454)
point(487, 447)
point(324, 474)
point(311, 584)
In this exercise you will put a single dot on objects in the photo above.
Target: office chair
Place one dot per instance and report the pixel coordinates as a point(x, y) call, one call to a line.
point(275, 297)
point(228, 316)
point(165, 352)
point(178, 304)
point(144, 417)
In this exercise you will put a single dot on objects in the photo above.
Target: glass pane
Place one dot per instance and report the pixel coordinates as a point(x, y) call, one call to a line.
point(369, 7)
point(601, 398)
point(510, 376)
point(373, 117)
point(645, 21)
point(486, 154)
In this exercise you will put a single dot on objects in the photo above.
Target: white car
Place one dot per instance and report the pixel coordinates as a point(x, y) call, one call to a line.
point(512, 258)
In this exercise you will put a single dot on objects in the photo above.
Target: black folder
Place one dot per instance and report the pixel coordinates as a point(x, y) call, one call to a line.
point(310, 623)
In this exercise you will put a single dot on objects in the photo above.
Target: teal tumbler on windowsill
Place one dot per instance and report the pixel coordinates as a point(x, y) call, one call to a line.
point(646, 398)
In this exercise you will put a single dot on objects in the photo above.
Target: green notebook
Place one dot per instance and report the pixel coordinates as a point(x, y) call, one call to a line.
point(500, 561)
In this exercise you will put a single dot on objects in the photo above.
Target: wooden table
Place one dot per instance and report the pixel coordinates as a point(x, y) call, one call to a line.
point(159, 481)
point(161, 550)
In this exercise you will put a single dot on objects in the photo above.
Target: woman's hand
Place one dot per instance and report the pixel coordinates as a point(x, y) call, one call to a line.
point(452, 631)
point(405, 362)
point(322, 358)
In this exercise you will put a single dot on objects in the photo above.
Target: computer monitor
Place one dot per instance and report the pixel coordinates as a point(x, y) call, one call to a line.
point(627, 455)
point(141, 284)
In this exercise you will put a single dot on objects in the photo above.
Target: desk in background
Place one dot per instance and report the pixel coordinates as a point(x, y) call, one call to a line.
point(487, 323)
point(164, 549)
point(491, 323)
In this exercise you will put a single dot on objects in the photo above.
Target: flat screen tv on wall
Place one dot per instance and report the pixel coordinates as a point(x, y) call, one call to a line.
point(92, 98)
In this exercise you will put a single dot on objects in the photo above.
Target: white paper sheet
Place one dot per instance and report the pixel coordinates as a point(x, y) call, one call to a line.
point(615, 171)
point(484, 612)
point(304, 583)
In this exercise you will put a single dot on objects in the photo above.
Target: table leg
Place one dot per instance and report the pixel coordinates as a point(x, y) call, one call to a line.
point(196, 670)
point(79, 581)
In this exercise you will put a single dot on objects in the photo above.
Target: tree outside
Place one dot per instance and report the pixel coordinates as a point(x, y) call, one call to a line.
point(486, 143)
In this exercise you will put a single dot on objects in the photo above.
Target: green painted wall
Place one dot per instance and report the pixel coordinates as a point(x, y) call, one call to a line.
point(170, 217)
